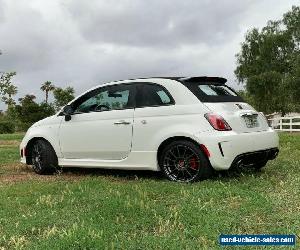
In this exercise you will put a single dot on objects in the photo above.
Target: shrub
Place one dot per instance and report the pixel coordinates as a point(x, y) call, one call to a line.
point(7, 127)
point(22, 126)
point(29, 112)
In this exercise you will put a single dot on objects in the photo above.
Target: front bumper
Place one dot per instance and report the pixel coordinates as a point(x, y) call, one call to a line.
point(225, 147)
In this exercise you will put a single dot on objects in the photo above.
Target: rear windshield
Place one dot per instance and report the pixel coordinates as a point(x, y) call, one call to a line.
point(213, 92)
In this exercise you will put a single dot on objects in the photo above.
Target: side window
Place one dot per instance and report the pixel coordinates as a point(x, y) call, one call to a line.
point(106, 98)
point(152, 95)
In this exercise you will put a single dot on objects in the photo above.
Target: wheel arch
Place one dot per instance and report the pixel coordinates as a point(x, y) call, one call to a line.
point(29, 146)
point(169, 140)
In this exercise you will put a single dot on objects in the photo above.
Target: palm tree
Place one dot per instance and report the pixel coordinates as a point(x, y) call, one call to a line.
point(47, 87)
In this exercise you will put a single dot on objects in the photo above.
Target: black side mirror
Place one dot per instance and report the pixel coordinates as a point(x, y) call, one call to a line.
point(68, 111)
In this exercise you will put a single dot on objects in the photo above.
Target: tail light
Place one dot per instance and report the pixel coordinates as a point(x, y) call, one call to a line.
point(217, 122)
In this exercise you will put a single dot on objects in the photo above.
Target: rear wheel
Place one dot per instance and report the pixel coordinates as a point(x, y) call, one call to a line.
point(44, 159)
point(183, 161)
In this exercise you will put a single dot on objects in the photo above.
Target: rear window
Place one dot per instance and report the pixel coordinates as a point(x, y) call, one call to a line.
point(213, 92)
point(149, 95)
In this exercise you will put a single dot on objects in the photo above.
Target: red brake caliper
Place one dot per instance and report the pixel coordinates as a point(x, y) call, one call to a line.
point(194, 164)
point(181, 163)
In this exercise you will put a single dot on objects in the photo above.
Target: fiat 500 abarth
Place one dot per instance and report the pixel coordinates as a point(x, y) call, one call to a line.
point(185, 127)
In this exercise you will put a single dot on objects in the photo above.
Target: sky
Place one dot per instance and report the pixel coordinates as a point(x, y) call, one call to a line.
point(86, 43)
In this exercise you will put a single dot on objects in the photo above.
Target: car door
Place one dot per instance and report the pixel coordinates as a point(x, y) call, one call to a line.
point(101, 124)
point(154, 105)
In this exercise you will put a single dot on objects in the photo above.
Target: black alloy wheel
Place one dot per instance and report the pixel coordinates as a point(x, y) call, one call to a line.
point(184, 161)
point(37, 157)
point(44, 159)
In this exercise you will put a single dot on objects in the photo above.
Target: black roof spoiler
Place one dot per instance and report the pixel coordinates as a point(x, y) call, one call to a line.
point(219, 80)
point(190, 79)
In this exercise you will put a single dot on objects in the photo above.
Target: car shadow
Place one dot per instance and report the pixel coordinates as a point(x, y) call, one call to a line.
point(236, 173)
point(128, 175)
point(114, 173)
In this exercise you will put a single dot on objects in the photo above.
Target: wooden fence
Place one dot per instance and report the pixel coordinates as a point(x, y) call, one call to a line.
point(291, 124)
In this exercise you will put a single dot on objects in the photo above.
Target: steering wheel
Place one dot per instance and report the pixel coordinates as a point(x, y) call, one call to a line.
point(101, 107)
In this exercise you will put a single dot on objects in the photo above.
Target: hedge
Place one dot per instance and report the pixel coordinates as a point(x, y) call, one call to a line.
point(7, 127)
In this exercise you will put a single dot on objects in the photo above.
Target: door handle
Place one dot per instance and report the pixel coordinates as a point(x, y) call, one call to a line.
point(122, 122)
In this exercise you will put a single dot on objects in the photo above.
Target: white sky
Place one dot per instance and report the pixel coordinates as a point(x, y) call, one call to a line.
point(85, 43)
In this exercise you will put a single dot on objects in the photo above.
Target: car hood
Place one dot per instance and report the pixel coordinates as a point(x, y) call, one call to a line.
point(46, 121)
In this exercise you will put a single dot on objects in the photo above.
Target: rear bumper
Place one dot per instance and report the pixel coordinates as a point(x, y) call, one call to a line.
point(228, 147)
point(249, 159)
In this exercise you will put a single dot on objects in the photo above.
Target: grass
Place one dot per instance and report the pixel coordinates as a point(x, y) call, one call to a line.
point(101, 209)
point(9, 147)
point(10, 137)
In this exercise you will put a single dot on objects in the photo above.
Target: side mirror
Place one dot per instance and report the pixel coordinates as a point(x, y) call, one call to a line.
point(68, 111)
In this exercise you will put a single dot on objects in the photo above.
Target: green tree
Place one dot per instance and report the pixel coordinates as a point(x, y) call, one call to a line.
point(63, 96)
point(29, 112)
point(10, 91)
point(47, 87)
point(269, 64)
point(6, 80)
point(7, 89)
point(247, 97)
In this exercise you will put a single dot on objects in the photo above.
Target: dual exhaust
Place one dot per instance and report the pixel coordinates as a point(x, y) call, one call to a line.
point(250, 159)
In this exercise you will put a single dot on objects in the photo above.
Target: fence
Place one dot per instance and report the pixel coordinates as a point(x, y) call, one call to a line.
point(291, 124)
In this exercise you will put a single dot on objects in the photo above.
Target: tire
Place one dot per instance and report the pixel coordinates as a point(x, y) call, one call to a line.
point(44, 159)
point(184, 161)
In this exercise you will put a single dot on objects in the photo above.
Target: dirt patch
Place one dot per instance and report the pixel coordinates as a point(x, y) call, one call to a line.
point(9, 143)
point(16, 167)
point(15, 178)
point(18, 172)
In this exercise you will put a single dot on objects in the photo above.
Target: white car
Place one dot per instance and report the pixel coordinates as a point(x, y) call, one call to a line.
point(184, 127)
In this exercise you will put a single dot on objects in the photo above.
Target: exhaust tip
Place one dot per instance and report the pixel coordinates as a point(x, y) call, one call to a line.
point(239, 163)
point(273, 154)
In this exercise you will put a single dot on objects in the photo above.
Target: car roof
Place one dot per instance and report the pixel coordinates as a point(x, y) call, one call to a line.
point(179, 79)
point(182, 79)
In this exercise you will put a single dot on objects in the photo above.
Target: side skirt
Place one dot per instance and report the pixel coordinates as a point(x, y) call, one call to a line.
point(137, 160)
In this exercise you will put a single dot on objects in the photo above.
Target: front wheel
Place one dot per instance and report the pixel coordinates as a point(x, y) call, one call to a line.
point(44, 160)
point(183, 161)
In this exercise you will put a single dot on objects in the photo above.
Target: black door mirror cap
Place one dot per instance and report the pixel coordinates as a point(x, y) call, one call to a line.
point(68, 110)
point(68, 118)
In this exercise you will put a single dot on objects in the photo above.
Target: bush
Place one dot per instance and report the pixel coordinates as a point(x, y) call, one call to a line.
point(7, 127)
point(22, 126)
point(29, 112)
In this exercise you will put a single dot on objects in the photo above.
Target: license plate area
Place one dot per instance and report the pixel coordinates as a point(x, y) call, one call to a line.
point(251, 121)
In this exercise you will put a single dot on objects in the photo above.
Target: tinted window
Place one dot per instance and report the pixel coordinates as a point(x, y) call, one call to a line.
point(106, 98)
point(152, 95)
point(213, 92)
point(216, 90)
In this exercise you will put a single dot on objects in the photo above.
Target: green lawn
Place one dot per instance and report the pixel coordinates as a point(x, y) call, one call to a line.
point(137, 210)
point(9, 137)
